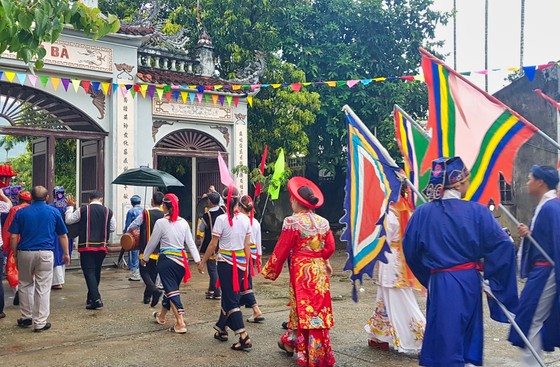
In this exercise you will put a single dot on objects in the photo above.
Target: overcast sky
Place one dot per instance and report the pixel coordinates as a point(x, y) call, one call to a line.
point(542, 44)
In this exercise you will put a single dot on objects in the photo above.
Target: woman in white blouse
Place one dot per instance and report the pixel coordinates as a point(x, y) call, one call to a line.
point(171, 233)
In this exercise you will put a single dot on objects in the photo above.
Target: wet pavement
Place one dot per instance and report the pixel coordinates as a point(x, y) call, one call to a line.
point(124, 334)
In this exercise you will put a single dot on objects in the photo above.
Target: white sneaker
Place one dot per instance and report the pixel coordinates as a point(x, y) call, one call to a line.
point(158, 283)
point(135, 276)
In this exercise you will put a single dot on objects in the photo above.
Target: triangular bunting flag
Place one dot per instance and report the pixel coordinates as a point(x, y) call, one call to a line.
point(276, 86)
point(1, 73)
point(217, 87)
point(21, 77)
point(296, 87)
point(199, 96)
point(192, 96)
point(365, 81)
point(105, 87)
point(65, 83)
point(235, 87)
point(10, 75)
point(132, 92)
point(33, 79)
point(530, 72)
point(55, 82)
point(250, 100)
point(207, 98)
point(95, 86)
point(222, 100)
point(44, 79)
point(176, 95)
point(86, 84)
point(184, 96)
point(306, 84)
point(143, 89)
point(341, 83)
point(115, 87)
point(76, 83)
point(124, 91)
point(151, 91)
point(380, 79)
point(168, 96)
point(228, 99)
point(235, 101)
point(215, 98)
point(136, 88)
point(159, 92)
point(331, 84)
point(351, 83)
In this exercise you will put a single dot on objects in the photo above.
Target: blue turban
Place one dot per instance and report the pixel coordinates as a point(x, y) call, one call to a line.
point(446, 173)
point(548, 174)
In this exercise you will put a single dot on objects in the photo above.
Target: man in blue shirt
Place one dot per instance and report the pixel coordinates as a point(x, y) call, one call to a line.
point(133, 256)
point(37, 227)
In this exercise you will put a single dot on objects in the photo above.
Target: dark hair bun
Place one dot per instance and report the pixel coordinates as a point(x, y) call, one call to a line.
point(308, 195)
point(313, 200)
point(247, 203)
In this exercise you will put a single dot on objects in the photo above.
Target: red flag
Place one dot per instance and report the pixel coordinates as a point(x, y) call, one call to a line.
point(261, 168)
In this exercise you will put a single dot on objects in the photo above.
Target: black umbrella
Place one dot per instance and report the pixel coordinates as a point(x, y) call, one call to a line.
point(145, 176)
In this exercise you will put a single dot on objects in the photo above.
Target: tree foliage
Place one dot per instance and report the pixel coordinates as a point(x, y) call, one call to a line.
point(26, 24)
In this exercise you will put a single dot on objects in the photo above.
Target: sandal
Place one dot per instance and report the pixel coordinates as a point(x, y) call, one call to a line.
point(256, 320)
point(155, 315)
point(243, 344)
point(178, 331)
point(221, 336)
point(283, 347)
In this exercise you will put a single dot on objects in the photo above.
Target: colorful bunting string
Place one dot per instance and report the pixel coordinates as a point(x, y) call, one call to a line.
point(194, 93)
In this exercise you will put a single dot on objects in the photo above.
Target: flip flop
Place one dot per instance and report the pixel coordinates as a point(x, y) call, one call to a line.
point(283, 347)
point(178, 331)
point(256, 320)
point(155, 315)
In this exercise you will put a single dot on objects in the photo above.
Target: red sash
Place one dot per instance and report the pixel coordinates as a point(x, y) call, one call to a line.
point(465, 266)
point(187, 275)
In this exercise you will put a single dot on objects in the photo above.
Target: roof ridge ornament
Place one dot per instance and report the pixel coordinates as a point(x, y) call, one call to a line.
point(251, 73)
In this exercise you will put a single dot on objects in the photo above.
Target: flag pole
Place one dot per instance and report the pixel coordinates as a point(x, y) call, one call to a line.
point(264, 208)
point(514, 324)
point(529, 237)
point(418, 127)
point(490, 97)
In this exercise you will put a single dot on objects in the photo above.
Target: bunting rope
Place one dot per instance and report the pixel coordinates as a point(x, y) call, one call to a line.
point(204, 92)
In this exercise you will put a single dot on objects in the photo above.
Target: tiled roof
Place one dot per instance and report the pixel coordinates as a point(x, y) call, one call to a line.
point(136, 30)
point(158, 76)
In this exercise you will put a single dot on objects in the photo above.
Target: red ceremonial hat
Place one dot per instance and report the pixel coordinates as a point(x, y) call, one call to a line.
point(297, 183)
point(24, 195)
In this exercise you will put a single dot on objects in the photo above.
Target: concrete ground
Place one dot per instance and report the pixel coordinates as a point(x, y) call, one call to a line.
point(124, 334)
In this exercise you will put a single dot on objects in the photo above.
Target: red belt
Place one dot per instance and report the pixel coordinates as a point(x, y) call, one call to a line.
point(465, 266)
point(542, 263)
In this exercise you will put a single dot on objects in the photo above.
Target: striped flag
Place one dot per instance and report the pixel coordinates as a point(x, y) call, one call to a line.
point(413, 143)
point(468, 122)
point(371, 185)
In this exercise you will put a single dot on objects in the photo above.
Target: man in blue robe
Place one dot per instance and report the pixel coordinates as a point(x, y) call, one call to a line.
point(538, 314)
point(445, 244)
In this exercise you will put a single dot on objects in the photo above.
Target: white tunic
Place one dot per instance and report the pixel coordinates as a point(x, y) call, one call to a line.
point(172, 235)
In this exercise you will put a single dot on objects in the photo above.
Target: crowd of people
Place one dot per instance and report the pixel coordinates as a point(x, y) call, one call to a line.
point(449, 249)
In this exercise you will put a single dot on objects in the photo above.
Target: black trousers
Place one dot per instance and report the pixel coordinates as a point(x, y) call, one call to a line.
point(91, 262)
point(230, 314)
point(149, 275)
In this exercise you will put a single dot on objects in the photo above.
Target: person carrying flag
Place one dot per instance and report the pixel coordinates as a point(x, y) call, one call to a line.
point(444, 245)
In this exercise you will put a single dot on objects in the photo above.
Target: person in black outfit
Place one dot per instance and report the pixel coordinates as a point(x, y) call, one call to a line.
point(95, 223)
point(145, 223)
point(206, 224)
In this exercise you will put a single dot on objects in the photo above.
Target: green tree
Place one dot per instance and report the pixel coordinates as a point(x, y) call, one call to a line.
point(26, 24)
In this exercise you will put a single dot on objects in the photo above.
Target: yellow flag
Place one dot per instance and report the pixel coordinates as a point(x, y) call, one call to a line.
point(276, 180)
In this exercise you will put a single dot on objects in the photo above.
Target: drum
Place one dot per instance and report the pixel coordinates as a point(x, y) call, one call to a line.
point(129, 240)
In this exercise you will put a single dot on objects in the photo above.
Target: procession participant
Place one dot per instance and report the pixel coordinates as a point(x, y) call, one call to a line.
point(397, 321)
point(248, 299)
point(145, 223)
point(233, 231)
point(171, 233)
point(5, 206)
point(96, 223)
point(308, 240)
point(24, 199)
point(133, 256)
point(205, 226)
point(33, 235)
point(59, 203)
point(537, 314)
point(444, 244)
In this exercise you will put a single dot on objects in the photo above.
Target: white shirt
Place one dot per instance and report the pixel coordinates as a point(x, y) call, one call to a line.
point(71, 216)
point(232, 237)
point(451, 194)
point(172, 235)
point(256, 235)
point(393, 228)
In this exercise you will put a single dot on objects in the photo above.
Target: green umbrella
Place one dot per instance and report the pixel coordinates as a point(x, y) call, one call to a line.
point(145, 176)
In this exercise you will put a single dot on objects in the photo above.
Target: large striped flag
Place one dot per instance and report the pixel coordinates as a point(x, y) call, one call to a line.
point(371, 185)
point(413, 143)
point(466, 121)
